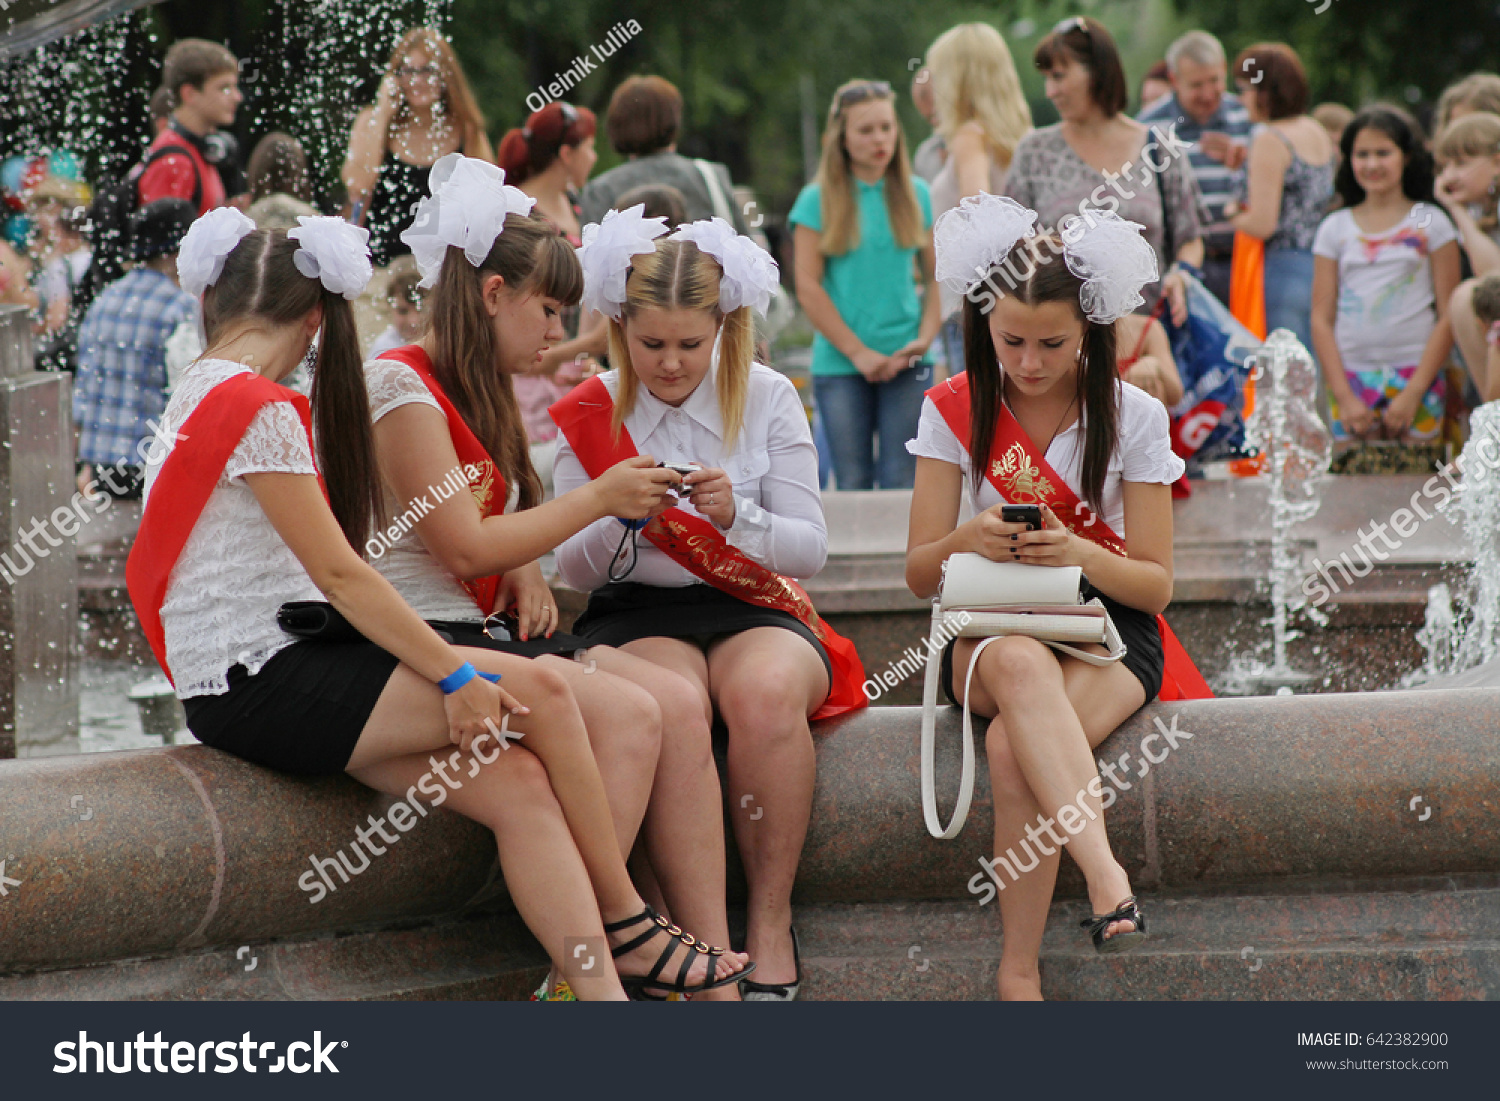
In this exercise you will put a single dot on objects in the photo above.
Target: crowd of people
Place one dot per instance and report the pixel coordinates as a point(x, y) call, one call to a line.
point(575, 359)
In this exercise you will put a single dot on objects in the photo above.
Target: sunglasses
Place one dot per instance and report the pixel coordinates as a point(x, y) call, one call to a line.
point(1068, 26)
point(858, 93)
point(432, 70)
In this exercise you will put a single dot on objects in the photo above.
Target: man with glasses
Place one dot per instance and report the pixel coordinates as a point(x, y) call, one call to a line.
point(195, 157)
point(1218, 125)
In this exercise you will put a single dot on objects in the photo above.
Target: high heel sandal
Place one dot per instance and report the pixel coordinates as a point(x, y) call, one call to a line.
point(1126, 911)
point(635, 985)
point(776, 991)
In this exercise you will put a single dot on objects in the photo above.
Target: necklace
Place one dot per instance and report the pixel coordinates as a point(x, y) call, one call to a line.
point(1060, 420)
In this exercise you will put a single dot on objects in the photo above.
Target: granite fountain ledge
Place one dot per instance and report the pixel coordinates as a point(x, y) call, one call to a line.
point(159, 858)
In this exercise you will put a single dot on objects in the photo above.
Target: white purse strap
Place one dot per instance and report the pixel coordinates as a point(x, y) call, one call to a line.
point(722, 207)
point(929, 719)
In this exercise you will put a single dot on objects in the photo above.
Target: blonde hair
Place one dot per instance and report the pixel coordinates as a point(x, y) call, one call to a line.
point(974, 79)
point(1476, 92)
point(458, 99)
point(840, 211)
point(1473, 135)
point(679, 276)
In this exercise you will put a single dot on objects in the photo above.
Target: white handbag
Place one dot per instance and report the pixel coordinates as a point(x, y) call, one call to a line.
point(982, 599)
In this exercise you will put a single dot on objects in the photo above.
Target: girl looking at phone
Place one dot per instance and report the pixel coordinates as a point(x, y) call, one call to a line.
point(1041, 417)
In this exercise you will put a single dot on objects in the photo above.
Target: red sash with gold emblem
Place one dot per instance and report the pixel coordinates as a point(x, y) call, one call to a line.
point(1023, 477)
point(184, 484)
point(488, 486)
point(699, 547)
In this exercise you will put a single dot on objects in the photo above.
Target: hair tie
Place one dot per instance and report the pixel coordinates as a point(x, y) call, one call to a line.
point(606, 253)
point(466, 209)
point(207, 244)
point(750, 275)
point(334, 252)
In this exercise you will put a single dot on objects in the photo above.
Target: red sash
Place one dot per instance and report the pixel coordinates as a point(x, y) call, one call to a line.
point(700, 548)
point(1024, 477)
point(183, 485)
point(488, 487)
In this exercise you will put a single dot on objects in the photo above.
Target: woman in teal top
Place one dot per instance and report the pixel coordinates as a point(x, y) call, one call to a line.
point(859, 230)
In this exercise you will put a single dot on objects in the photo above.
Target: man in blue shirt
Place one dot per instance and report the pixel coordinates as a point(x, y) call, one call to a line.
point(1219, 127)
point(121, 388)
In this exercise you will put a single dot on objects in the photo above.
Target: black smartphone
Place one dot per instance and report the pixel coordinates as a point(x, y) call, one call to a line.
point(1030, 515)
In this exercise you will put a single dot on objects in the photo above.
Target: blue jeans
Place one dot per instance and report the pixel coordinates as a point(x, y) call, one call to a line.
point(855, 412)
point(1289, 278)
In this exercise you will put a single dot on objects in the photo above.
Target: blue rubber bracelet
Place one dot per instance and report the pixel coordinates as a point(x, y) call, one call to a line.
point(493, 678)
point(458, 678)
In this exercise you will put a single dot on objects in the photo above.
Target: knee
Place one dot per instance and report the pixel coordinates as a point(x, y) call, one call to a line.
point(684, 718)
point(750, 710)
point(635, 708)
point(546, 690)
point(1017, 662)
point(519, 787)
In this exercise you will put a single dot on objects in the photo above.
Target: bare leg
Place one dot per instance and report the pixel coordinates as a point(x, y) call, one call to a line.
point(771, 774)
point(1034, 761)
point(624, 729)
point(684, 831)
point(411, 707)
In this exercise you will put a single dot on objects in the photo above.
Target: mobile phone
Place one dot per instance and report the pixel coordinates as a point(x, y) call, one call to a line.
point(683, 469)
point(1030, 515)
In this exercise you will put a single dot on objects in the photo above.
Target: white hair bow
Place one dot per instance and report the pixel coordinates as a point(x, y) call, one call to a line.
point(750, 275)
point(606, 252)
point(1101, 248)
point(333, 251)
point(207, 244)
point(1113, 260)
point(466, 209)
point(975, 236)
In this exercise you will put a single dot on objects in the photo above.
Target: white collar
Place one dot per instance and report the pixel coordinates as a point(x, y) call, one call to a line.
point(702, 405)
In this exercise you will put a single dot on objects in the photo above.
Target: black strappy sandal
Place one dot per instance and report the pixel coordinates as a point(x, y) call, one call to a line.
point(1126, 911)
point(635, 985)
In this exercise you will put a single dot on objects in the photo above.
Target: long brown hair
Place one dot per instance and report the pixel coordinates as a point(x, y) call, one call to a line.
point(261, 283)
point(459, 103)
point(681, 276)
point(1046, 278)
point(532, 259)
point(839, 207)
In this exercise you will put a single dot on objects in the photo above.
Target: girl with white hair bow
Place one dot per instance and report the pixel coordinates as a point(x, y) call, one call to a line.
point(238, 540)
point(706, 589)
point(1041, 417)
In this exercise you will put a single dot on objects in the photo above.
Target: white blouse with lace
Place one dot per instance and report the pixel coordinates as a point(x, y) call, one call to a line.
point(235, 571)
point(405, 560)
point(1143, 454)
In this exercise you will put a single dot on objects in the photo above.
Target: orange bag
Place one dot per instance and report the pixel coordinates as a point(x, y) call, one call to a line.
point(1247, 301)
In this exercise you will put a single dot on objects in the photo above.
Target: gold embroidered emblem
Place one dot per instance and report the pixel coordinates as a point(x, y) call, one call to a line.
point(484, 491)
point(1022, 478)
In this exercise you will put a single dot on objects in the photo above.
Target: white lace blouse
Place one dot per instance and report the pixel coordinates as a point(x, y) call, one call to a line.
point(1143, 454)
point(235, 570)
point(778, 520)
point(404, 560)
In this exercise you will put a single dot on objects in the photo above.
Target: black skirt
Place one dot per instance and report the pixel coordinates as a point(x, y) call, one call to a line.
point(1138, 631)
point(625, 611)
point(303, 712)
